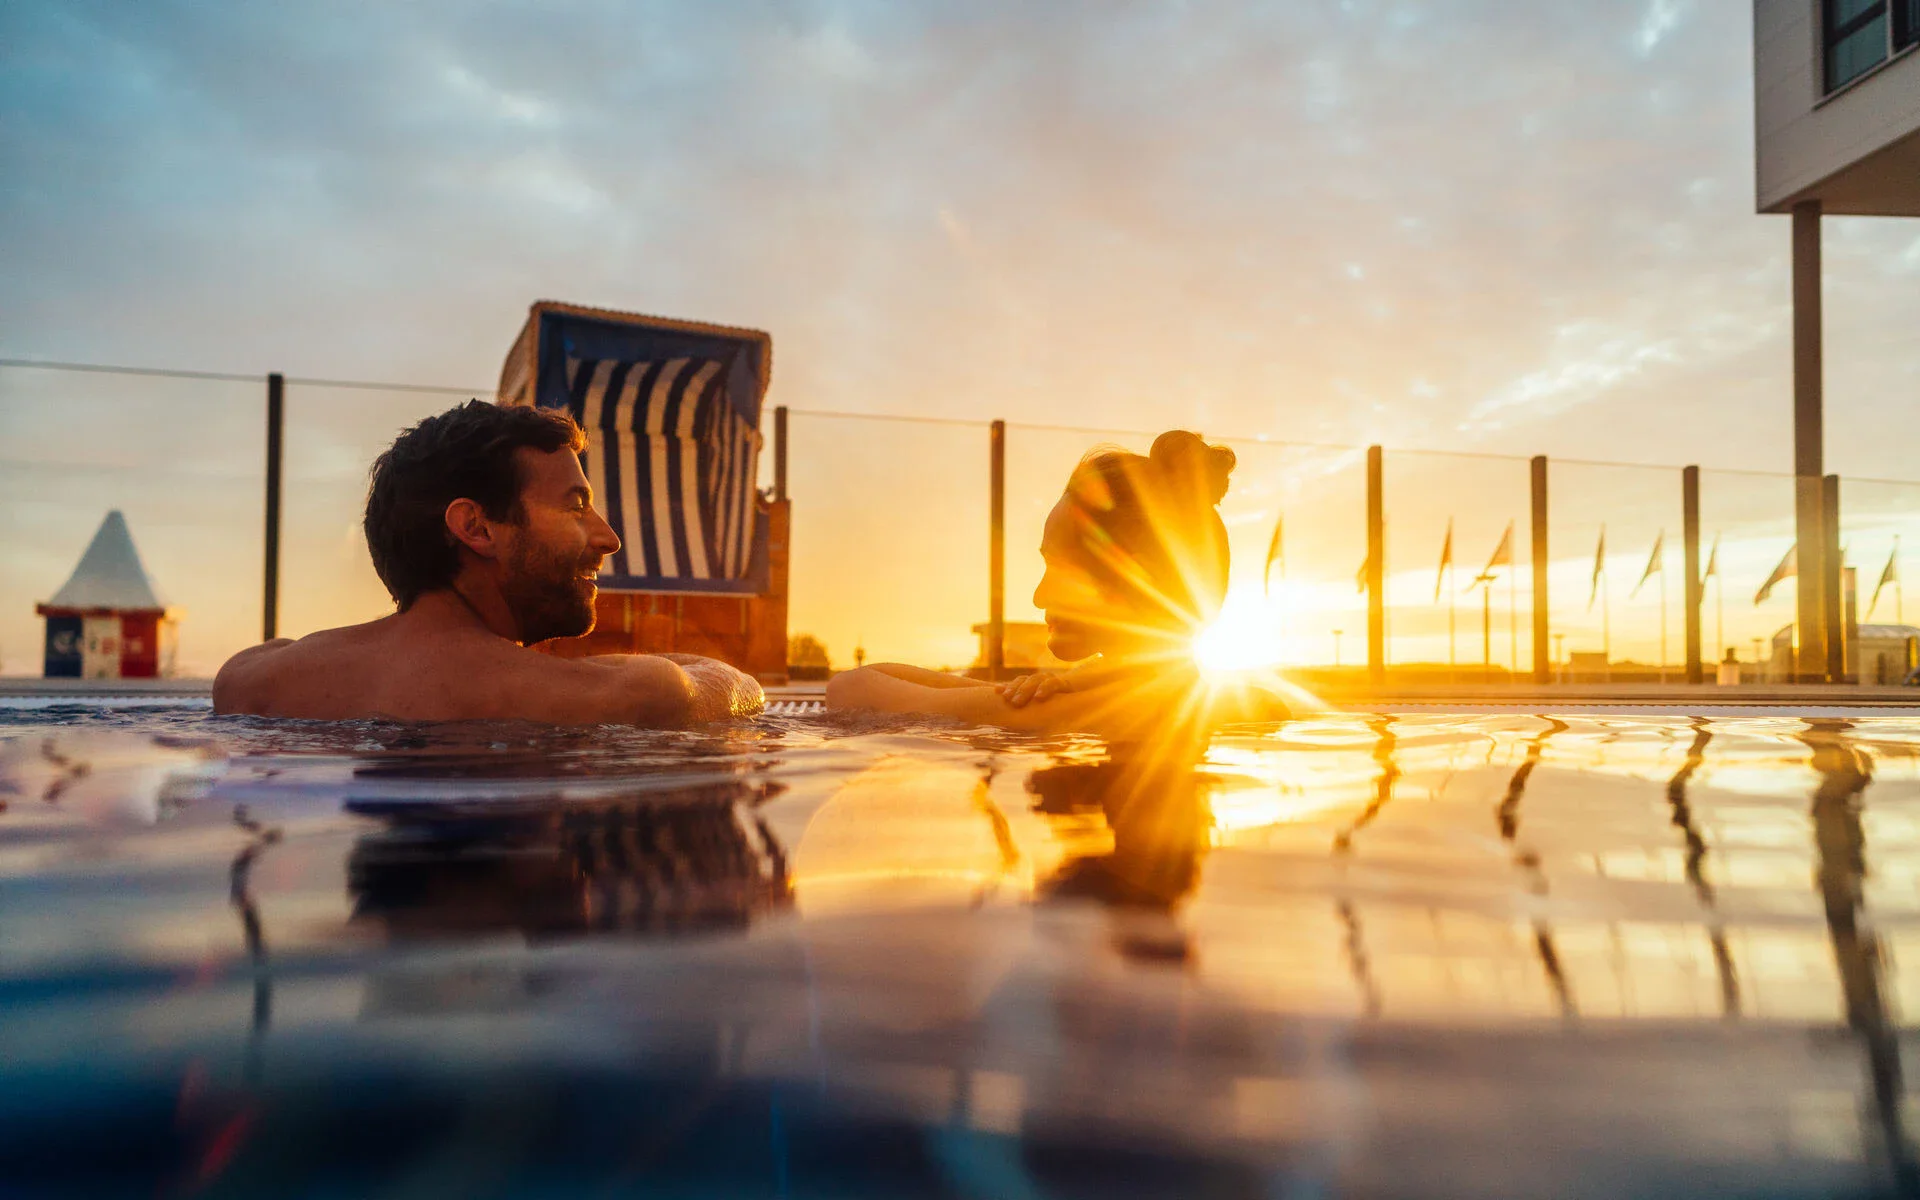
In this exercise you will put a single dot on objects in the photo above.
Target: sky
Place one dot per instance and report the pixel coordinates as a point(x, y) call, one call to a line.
point(1471, 227)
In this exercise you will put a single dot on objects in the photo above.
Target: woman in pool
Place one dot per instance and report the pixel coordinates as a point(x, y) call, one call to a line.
point(1136, 564)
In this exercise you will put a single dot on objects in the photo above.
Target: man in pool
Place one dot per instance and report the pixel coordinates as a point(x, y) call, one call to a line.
point(482, 527)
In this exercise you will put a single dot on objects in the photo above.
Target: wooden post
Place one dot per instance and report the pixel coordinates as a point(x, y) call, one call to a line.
point(1376, 569)
point(997, 550)
point(1835, 651)
point(276, 422)
point(1811, 616)
point(1542, 649)
point(1690, 537)
point(780, 453)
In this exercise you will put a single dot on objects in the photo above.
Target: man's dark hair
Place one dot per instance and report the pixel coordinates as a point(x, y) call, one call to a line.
point(463, 453)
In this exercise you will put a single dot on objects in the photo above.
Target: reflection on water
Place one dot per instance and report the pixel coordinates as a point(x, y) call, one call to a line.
point(1423, 955)
point(1845, 771)
point(697, 857)
point(1696, 844)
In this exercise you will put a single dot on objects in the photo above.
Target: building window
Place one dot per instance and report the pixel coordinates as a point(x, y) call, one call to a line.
point(1856, 37)
point(1906, 23)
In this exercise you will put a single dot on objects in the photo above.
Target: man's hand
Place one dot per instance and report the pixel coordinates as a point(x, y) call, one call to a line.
point(720, 691)
point(1031, 689)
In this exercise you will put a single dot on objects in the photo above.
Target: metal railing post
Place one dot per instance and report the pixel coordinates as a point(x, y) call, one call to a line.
point(276, 422)
point(780, 453)
point(1542, 648)
point(1690, 538)
point(1376, 569)
point(1835, 651)
point(997, 550)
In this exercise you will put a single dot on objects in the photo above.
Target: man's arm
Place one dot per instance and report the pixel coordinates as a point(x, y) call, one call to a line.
point(671, 690)
point(719, 690)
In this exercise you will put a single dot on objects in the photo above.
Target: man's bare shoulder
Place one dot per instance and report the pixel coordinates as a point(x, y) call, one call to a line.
point(385, 669)
point(253, 680)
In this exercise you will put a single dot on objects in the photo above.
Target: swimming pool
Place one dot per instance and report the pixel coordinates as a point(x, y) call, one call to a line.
point(1416, 955)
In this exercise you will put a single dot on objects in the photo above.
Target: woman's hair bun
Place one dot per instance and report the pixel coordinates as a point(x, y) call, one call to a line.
point(1184, 456)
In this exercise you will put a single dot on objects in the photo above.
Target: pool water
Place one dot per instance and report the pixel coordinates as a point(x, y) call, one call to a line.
point(1421, 955)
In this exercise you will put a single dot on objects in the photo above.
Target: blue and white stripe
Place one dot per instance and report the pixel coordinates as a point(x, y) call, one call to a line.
point(672, 464)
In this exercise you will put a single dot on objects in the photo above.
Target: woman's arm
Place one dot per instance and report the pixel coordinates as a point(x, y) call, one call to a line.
point(924, 677)
point(896, 687)
point(982, 704)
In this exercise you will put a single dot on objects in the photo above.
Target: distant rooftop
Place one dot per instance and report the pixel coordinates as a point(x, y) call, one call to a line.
point(1888, 631)
point(110, 574)
point(1867, 632)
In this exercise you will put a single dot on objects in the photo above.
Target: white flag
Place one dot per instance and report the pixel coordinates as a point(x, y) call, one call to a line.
point(1653, 564)
point(1276, 553)
point(1503, 553)
point(1599, 567)
point(1890, 575)
point(1788, 568)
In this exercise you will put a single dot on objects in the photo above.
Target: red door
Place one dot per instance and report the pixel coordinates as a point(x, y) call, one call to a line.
point(139, 645)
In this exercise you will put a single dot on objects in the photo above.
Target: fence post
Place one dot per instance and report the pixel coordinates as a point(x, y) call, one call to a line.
point(1690, 537)
point(1830, 568)
point(1542, 649)
point(997, 550)
point(276, 421)
point(780, 452)
point(1376, 569)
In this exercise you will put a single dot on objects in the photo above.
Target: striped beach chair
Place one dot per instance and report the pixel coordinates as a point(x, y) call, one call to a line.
point(672, 414)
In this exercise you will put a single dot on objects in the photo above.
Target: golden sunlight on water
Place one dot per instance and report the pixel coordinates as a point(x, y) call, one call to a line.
point(1437, 868)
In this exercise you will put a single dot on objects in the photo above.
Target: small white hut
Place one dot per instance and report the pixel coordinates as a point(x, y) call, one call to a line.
point(107, 621)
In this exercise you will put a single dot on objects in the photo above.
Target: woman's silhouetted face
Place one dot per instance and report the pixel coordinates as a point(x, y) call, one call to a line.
point(1080, 614)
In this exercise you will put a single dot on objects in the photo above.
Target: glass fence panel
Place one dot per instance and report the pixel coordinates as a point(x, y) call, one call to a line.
point(332, 436)
point(182, 459)
point(889, 542)
point(1473, 616)
point(1879, 529)
point(1308, 597)
point(1619, 603)
point(1747, 601)
point(890, 536)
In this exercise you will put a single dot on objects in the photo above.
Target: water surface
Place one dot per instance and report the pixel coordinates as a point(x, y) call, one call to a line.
point(1425, 955)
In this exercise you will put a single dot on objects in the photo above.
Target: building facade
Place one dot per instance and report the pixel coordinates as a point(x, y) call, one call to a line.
point(1836, 131)
point(1837, 106)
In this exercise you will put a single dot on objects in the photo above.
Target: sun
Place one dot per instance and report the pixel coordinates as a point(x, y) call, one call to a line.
point(1244, 637)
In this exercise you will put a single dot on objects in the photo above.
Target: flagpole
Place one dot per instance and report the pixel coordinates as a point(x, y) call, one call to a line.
point(1606, 623)
point(1719, 613)
point(1663, 618)
point(1486, 626)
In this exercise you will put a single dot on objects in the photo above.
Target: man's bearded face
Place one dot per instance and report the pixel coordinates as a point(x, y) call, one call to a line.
point(549, 587)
